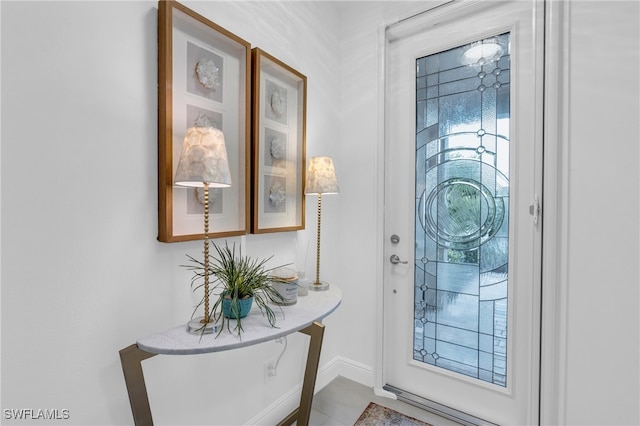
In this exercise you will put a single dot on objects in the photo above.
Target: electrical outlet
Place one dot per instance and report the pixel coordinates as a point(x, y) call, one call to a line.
point(269, 370)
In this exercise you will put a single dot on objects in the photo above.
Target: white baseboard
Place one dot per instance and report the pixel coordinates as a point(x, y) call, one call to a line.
point(345, 367)
point(338, 366)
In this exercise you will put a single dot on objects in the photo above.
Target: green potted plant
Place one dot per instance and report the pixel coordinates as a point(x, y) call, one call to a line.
point(241, 281)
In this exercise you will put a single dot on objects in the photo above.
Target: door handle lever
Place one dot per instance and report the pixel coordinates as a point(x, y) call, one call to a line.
point(395, 260)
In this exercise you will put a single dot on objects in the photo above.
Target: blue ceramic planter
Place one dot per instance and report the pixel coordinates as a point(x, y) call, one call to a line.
point(243, 306)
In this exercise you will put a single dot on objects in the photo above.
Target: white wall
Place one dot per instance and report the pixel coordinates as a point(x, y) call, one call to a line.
point(358, 154)
point(602, 307)
point(82, 273)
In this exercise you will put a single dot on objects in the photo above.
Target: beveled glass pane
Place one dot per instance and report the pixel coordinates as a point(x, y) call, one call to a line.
point(458, 278)
point(468, 339)
point(457, 366)
point(458, 310)
point(421, 94)
point(458, 86)
point(421, 67)
point(459, 354)
point(486, 361)
point(462, 209)
point(459, 112)
point(421, 115)
point(486, 318)
point(455, 74)
point(486, 343)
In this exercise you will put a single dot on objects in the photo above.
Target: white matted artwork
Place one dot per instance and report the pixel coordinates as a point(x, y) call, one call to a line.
point(274, 149)
point(202, 117)
point(275, 194)
point(205, 75)
point(204, 80)
point(279, 120)
point(275, 101)
point(195, 201)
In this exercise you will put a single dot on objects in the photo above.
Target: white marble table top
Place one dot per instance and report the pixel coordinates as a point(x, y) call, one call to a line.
point(256, 329)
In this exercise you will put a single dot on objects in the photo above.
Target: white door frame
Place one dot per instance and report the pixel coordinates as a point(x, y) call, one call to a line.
point(555, 226)
point(554, 251)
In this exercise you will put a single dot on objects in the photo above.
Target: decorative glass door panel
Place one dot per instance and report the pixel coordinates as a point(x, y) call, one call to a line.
point(462, 165)
point(462, 209)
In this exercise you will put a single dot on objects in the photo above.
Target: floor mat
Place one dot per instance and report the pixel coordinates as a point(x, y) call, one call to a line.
point(377, 415)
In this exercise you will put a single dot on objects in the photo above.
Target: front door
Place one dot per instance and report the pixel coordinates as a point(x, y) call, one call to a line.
point(462, 235)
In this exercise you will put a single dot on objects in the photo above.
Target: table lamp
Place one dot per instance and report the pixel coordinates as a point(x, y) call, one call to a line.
point(203, 164)
point(321, 179)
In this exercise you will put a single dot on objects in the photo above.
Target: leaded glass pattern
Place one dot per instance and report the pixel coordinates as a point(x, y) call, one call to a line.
point(462, 210)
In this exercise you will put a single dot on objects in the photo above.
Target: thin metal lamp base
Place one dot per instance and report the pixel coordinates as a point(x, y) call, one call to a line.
point(319, 286)
point(197, 325)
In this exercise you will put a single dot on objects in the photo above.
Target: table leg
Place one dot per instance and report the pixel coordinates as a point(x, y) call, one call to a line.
point(131, 359)
point(316, 332)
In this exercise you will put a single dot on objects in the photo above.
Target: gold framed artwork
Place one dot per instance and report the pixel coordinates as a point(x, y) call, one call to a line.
point(204, 77)
point(279, 132)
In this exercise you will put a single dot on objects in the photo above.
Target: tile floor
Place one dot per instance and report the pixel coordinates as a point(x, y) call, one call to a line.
point(341, 402)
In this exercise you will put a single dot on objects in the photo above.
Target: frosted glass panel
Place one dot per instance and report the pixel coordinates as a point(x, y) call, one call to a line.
point(462, 211)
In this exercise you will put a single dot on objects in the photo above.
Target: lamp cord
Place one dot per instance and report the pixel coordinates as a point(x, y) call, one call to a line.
point(280, 340)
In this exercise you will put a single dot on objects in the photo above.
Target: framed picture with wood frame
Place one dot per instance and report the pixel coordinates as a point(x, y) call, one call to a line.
point(204, 77)
point(279, 131)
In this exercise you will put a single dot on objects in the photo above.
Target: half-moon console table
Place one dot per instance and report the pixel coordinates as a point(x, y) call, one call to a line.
point(305, 316)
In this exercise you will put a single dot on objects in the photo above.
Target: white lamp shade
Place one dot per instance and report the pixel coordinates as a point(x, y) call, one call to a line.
point(321, 177)
point(203, 159)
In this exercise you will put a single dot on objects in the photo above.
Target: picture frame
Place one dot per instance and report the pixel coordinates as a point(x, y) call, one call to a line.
point(279, 145)
point(204, 79)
